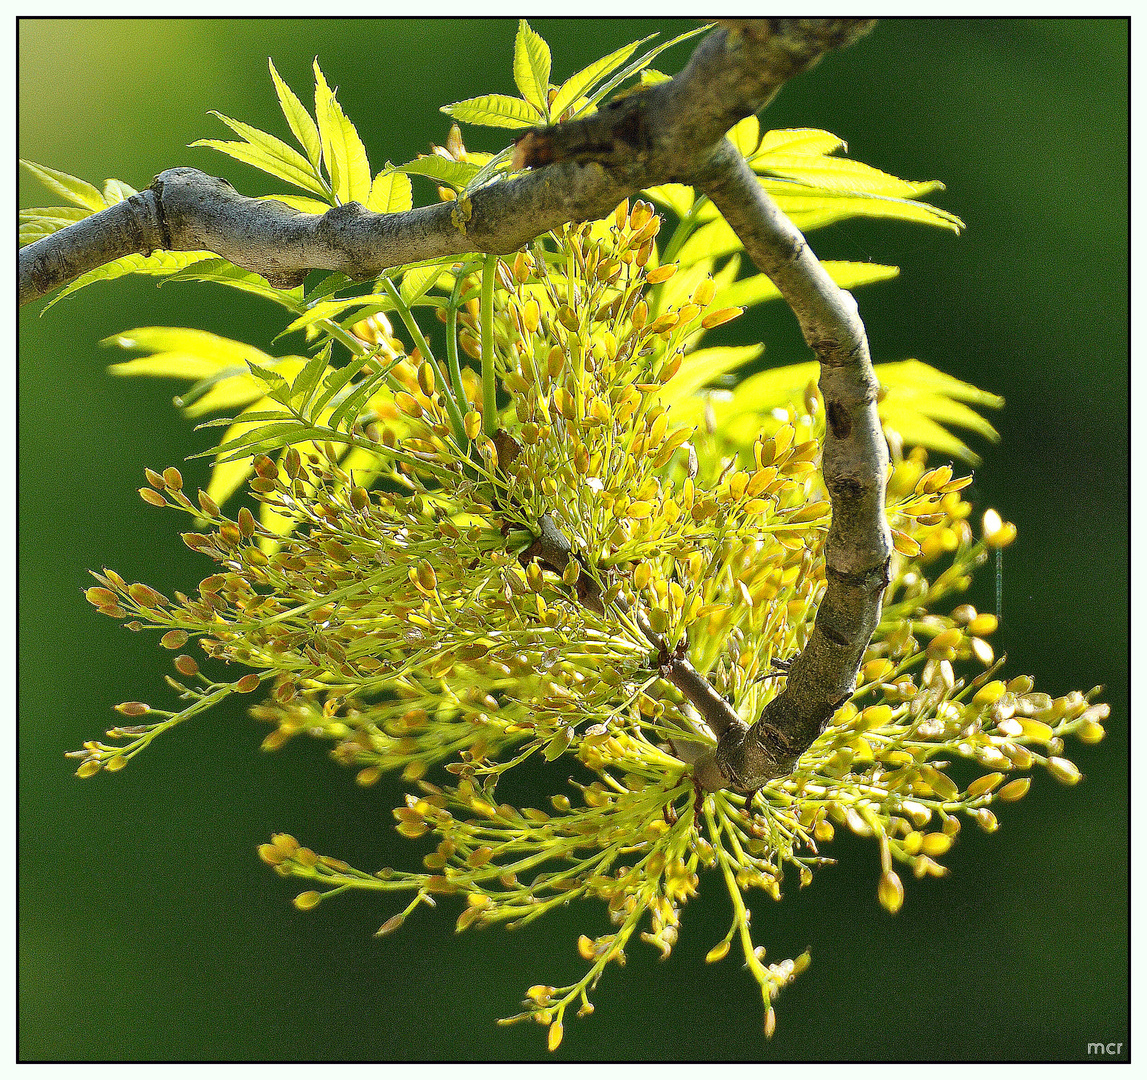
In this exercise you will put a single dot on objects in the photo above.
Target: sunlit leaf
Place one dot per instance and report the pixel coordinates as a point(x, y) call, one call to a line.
point(841, 175)
point(328, 309)
point(758, 288)
point(298, 119)
point(390, 193)
point(115, 191)
point(915, 373)
point(268, 153)
point(72, 188)
point(41, 221)
point(811, 141)
point(417, 280)
point(816, 211)
point(223, 272)
point(343, 152)
point(676, 197)
point(577, 85)
point(532, 67)
point(643, 61)
point(703, 367)
point(159, 263)
point(303, 203)
point(920, 403)
point(746, 135)
point(443, 170)
point(494, 110)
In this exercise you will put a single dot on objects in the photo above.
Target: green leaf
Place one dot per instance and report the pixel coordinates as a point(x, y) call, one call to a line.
point(758, 288)
point(159, 263)
point(390, 193)
point(298, 119)
point(221, 368)
point(577, 85)
point(328, 309)
point(923, 377)
point(417, 281)
point(38, 222)
point(181, 342)
point(307, 379)
point(339, 378)
point(642, 62)
point(702, 367)
point(746, 135)
point(443, 170)
point(259, 436)
point(494, 110)
point(72, 188)
point(740, 414)
point(226, 273)
point(350, 408)
point(676, 197)
point(532, 67)
point(269, 154)
point(812, 141)
point(816, 211)
point(833, 174)
point(499, 163)
point(920, 404)
point(343, 152)
point(116, 191)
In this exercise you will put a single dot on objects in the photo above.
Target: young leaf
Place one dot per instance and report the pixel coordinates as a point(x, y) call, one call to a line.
point(160, 263)
point(319, 310)
point(42, 221)
point(223, 272)
point(269, 154)
point(70, 187)
point(532, 67)
point(115, 191)
point(811, 141)
point(390, 193)
point(303, 203)
point(676, 197)
point(348, 410)
point(702, 367)
point(577, 85)
point(840, 175)
point(443, 170)
point(418, 280)
point(207, 352)
point(307, 379)
point(494, 110)
point(758, 288)
point(338, 378)
point(642, 62)
point(810, 211)
point(298, 119)
point(343, 152)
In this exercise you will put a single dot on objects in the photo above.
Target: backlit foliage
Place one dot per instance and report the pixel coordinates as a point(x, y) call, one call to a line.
point(381, 587)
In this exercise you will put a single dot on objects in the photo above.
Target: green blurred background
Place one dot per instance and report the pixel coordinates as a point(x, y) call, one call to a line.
point(149, 929)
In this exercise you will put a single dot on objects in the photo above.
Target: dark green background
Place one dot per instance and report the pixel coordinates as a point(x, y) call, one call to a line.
point(148, 929)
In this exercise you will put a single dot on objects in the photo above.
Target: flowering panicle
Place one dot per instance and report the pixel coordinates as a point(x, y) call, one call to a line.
point(448, 566)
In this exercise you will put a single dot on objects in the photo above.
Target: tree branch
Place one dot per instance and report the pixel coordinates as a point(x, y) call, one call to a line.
point(855, 466)
point(673, 131)
point(666, 132)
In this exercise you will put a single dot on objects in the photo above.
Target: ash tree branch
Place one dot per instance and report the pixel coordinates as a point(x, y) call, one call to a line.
point(580, 171)
point(664, 133)
point(854, 465)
